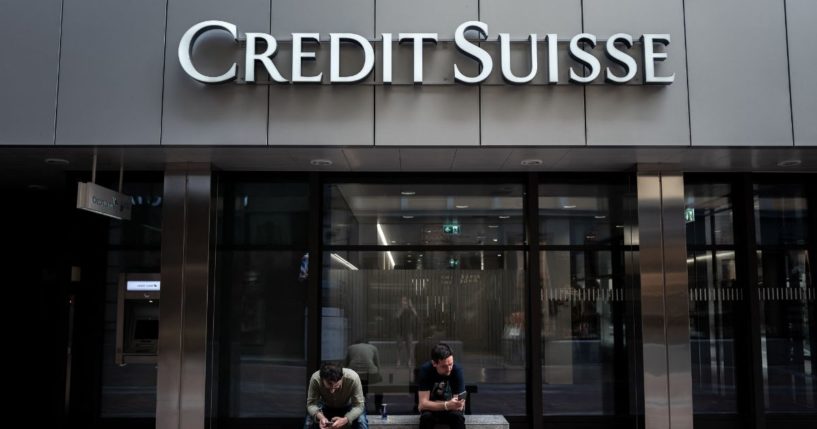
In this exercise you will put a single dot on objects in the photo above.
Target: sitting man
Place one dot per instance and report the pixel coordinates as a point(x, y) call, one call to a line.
point(439, 383)
point(335, 399)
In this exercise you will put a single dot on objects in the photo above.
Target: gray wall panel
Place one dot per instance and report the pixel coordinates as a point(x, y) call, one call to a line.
point(635, 114)
point(738, 74)
point(522, 17)
point(213, 115)
point(111, 73)
point(322, 16)
point(802, 14)
point(423, 16)
point(321, 115)
point(30, 31)
point(521, 116)
point(428, 115)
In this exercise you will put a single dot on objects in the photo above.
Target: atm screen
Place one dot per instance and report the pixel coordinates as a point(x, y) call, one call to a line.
point(146, 330)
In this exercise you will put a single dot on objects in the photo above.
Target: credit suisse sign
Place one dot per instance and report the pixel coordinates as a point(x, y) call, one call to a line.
point(260, 49)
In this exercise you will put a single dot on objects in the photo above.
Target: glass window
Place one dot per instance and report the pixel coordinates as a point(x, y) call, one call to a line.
point(586, 317)
point(786, 294)
point(261, 283)
point(404, 302)
point(715, 298)
point(423, 214)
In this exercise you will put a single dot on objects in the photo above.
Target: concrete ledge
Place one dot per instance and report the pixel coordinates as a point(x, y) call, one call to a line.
point(474, 421)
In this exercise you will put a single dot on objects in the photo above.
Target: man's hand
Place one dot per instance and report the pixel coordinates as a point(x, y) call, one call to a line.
point(456, 404)
point(324, 423)
point(339, 422)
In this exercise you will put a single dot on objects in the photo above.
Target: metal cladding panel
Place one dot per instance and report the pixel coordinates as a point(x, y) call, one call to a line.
point(427, 116)
point(321, 115)
point(533, 115)
point(30, 31)
point(423, 16)
point(522, 17)
point(738, 74)
point(803, 62)
point(322, 16)
point(111, 73)
point(634, 114)
point(199, 114)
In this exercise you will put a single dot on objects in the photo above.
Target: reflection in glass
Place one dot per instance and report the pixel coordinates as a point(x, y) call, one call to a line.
point(583, 304)
point(714, 297)
point(261, 286)
point(780, 215)
point(472, 300)
point(787, 338)
point(708, 214)
point(583, 213)
point(414, 214)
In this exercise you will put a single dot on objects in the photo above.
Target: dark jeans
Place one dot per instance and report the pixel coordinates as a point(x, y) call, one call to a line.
point(359, 423)
point(454, 419)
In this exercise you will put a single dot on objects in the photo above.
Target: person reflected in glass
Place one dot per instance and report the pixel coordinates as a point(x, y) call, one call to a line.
point(364, 359)
point(440, 383)
point(335, 399)
point(406, 325)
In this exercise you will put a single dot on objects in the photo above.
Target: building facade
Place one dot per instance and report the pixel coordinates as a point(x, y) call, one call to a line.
point(607, 209)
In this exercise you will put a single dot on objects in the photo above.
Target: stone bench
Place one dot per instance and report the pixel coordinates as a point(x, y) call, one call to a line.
point(474, 421)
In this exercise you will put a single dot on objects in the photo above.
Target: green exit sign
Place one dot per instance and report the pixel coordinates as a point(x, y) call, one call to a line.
point(689, 215)
point(453, 263)
point(453, 229)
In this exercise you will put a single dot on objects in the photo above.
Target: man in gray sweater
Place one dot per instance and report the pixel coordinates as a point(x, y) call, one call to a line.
point(335, 399)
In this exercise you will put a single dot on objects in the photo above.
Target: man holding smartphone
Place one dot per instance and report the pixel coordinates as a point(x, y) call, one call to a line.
point(439, 382)
point(335, 399)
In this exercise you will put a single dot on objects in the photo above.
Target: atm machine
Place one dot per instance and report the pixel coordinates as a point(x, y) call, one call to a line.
point(137, 318)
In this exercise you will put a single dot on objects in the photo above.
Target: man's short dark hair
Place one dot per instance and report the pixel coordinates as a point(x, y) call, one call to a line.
point(331, 372)
point(440, 351)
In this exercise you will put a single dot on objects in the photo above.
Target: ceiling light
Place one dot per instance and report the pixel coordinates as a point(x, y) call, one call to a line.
point(37, 187)
point(461, 207)
point(529, 162)
point(600, 217)
point(569, 207)
point(493, 226)
point(57, 161)
point(619, 226)
point(495, 240)
point(407, 193)
point(408, 217)
point(789, 163)
point(321, 162)
point(504, 217)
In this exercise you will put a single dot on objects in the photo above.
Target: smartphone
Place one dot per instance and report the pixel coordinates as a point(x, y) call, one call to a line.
point(461, 396)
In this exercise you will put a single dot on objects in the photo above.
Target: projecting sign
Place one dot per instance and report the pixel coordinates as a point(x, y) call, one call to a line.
point(104, 201)
point(261, 48)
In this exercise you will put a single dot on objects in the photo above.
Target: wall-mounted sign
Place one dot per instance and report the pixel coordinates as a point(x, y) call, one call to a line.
point(689, 215)
point(143, 286)
point(104, 201)
point(261, 48)
point(451, 228)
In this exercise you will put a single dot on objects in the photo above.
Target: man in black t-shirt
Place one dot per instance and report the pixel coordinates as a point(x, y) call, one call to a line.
point(439, 382)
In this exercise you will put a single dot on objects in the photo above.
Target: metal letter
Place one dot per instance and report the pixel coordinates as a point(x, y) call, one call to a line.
point(505, 53)
point(585, 58)
point(418, 39)
point(553, 58)
point(265, 57)
point(186, 47)
point(298, 55)
point(620, 58)
point(387, 40)
point(334, 48)
point(473, 51)
point(650, 57)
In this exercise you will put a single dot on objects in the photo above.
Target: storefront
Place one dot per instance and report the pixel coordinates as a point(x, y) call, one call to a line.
point(607, 209)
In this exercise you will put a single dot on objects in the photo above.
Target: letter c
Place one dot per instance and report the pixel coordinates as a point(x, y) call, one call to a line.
point(186, 47)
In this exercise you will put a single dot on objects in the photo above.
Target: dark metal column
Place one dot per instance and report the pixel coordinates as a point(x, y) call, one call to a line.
point(534, 307)
point(180, 402)
point(664, 299)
